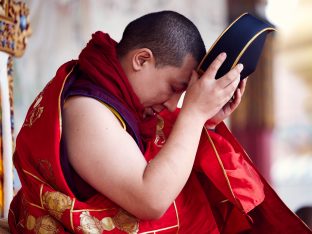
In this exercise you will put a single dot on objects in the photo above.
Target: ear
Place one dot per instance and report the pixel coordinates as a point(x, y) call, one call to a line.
point(141, 58)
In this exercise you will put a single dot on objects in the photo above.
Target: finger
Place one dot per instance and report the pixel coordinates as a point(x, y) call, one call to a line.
point(242, 86)
point(233, 104)
point(231, 89)
point(238, 97)
point(215, 65)
point(235, 72)
point(232, 76)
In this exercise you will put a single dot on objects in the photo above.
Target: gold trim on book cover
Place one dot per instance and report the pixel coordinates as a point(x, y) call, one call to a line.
point(200, 71)
point(213, 45)
point(249, 43)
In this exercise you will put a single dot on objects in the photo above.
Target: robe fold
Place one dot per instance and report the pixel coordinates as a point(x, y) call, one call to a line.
point(224, 193)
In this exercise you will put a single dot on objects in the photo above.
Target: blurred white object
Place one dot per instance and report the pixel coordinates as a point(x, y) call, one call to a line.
point(6, 134)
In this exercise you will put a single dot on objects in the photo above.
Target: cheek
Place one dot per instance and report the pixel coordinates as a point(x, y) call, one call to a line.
point(163, 93)
point(156, 98)
point(156, 94)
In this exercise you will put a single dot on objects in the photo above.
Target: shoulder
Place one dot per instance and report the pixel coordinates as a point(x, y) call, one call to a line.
point(90, 127)
point(78, 109)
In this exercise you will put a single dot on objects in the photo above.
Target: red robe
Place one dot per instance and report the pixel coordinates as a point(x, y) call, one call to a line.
point(224, 194)
point(222, 189)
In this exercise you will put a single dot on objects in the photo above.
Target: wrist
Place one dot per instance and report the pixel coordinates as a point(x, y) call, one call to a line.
point(193, 116)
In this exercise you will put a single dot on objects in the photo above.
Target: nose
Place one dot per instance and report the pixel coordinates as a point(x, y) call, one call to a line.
point(172, 102)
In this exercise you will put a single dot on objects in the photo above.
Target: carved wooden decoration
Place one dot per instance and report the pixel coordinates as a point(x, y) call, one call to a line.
point(14, 27)
point(14, 30)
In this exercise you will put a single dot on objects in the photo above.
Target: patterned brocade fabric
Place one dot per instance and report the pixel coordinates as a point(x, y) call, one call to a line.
point(224, 193)
point(45, 204)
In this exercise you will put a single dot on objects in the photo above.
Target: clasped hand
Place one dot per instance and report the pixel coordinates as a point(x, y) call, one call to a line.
point(209, 98)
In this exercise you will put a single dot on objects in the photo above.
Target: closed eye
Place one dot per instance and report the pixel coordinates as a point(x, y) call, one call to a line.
point(175, 89)
point(180, 89)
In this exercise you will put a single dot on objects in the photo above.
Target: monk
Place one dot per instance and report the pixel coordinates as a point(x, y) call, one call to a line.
point(104, 147)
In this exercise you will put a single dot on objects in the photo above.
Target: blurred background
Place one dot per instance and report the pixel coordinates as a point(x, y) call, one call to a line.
point(274, 121)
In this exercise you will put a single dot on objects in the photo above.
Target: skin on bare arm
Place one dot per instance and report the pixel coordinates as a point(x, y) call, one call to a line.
point(94, 136)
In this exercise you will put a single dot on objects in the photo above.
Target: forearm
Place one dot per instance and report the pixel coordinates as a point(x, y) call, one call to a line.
point(168, 172)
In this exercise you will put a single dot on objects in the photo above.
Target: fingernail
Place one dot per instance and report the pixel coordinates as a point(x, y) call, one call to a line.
point(240, 66)
point(223, 55)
